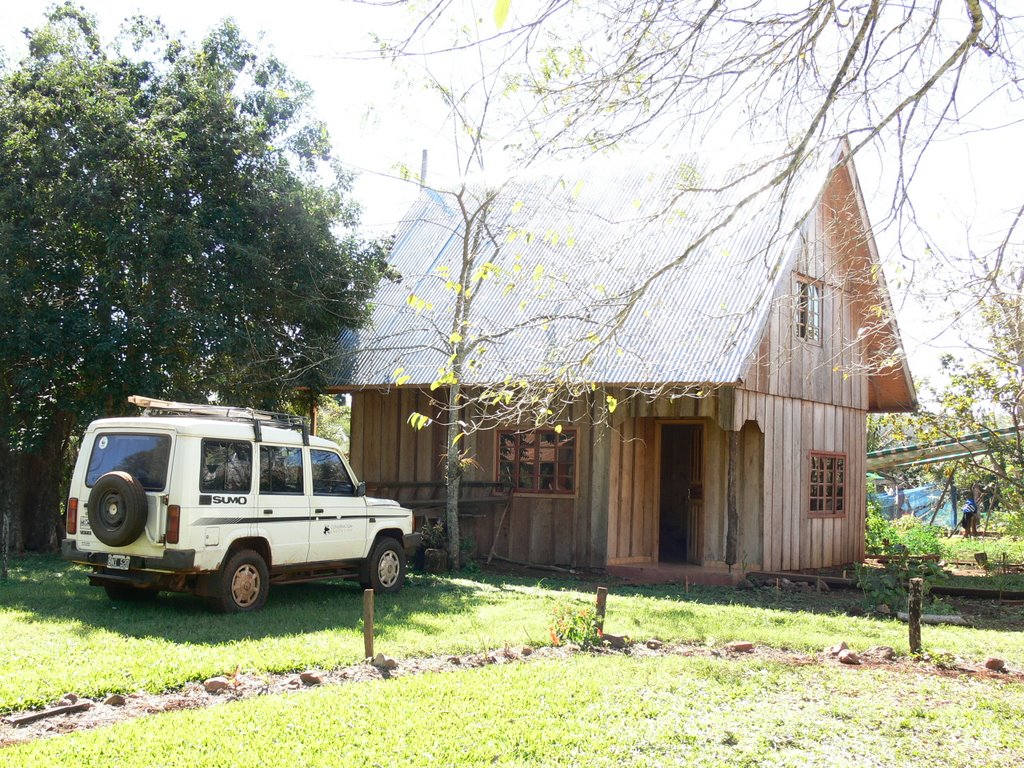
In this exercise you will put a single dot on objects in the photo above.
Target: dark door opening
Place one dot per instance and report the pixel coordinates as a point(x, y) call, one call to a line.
point(682, 494)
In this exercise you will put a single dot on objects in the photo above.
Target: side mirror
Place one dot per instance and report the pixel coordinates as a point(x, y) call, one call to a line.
point(361, 489)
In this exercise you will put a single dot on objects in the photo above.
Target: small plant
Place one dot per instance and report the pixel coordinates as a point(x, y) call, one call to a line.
point(888, 585)
point(576, 625)
point(434, 536)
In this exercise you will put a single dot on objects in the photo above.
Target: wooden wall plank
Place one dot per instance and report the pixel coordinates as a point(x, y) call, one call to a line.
point(649, 511)
point(407, 441)
point(626, 521)
point(541, 535)
point(615, 513)
point(638, 492)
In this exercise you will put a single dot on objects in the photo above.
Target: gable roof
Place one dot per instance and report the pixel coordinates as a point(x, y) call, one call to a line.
point(573, 296)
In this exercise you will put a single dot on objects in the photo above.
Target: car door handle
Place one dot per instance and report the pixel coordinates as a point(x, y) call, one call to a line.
point(373, 519)
point(268, 511)
point(318, 511)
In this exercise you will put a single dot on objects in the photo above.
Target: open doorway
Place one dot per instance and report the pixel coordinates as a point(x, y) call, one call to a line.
point(681, 520)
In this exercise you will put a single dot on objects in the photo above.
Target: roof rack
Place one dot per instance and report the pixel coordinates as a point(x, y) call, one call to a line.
point(258, 419)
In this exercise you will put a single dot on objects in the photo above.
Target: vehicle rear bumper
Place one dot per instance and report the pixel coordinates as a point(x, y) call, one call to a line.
point(172, 561)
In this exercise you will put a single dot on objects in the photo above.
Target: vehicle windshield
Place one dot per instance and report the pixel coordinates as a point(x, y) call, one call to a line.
point(143, 456)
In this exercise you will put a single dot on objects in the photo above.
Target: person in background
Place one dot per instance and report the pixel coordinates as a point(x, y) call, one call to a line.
point(970, 513)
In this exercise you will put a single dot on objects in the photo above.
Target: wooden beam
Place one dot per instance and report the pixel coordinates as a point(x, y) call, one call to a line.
point(732, 511)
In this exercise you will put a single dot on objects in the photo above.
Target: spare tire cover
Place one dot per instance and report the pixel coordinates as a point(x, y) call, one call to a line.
point(117, 509)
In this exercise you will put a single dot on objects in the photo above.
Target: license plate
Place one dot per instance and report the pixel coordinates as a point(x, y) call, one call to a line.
point(118, 562)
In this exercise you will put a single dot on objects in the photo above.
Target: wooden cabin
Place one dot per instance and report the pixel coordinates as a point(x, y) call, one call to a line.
point(725, 421)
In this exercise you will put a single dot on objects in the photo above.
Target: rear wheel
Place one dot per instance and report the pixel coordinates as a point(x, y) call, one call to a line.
point(244, 583)
point(384, 571)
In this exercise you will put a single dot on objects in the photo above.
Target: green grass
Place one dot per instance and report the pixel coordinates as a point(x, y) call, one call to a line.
point(59, 635)
point(959, 549)
point(588, 711)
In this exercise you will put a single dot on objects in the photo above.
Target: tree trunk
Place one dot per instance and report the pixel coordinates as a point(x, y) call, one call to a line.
point(39, 502)
point(7, 472)
point(453, 477)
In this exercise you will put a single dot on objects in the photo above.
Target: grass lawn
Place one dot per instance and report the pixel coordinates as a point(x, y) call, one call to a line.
point(59, 635)
point(585, 711)
point(959, 549)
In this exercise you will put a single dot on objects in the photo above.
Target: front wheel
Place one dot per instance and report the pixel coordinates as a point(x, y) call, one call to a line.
point(244, 583)
point(384, 571)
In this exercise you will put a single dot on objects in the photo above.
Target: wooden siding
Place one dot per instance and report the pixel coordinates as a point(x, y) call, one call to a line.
point(545, 529)
point(383, 447)
point(792, 429)
point(814, 396)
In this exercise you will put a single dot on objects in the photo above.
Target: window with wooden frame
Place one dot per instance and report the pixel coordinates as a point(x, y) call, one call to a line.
point(828, 484)
point(541, 461)
point(808, 310)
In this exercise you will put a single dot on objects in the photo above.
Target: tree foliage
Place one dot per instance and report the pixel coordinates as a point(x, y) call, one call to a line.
point(170, 224)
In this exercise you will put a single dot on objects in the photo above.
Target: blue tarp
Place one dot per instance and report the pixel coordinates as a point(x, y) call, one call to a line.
point(919, 502)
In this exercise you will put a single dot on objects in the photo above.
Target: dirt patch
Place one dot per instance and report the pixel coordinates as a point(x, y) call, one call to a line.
point(244, 686)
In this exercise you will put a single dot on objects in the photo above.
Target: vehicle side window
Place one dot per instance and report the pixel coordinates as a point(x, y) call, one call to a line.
point(227, 466)
point(280, 469)
point(330, 478)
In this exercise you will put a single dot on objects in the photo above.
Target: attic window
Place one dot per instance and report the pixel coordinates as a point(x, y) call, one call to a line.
point(828, 484)
point(808, 311)
point(541, 461)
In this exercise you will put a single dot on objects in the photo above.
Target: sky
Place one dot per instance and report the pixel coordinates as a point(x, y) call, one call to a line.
point(381, 118)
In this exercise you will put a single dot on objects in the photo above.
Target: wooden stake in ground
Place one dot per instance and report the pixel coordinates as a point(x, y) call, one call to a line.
point(368, 623)
point(602, 600)
point(914, 614)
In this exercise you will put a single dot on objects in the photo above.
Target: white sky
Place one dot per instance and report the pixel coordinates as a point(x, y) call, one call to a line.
point(378, 119)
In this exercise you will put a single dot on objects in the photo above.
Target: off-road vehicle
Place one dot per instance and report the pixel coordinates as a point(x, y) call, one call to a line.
point(222, 502)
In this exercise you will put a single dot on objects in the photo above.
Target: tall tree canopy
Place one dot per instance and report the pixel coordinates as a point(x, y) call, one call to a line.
point(170, 224)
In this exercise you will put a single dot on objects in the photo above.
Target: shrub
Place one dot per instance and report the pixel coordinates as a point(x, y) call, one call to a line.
point(906, 535)
point(575, 624)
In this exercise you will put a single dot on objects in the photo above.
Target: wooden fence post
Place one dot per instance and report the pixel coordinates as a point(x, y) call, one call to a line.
point(368, 623)
point(602, 600)
point(914, 614)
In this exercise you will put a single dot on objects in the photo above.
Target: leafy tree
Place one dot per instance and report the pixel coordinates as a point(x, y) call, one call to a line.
point(170, 224)
point(985, 393)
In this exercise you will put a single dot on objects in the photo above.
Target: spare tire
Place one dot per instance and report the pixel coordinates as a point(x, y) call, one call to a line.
point(117, 509)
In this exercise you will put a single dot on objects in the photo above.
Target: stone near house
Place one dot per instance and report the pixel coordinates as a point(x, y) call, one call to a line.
point(616, 641)
point(384, 662)
point(881, 652)
point(69, 698)
point(848, 657)
point(216, 684)
point(525, 650)
point(883, 610)
point(655, 645)
point(115, 700)
point(311, 678)
point(740, 646)
point(745, 584)
point(456, 660)
point(835, 650)
point(996, 665)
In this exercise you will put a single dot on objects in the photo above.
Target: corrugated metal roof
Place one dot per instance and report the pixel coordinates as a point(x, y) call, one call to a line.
point(604, 272)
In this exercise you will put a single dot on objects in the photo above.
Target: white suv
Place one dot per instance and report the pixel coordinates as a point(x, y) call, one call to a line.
point(222, 502)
